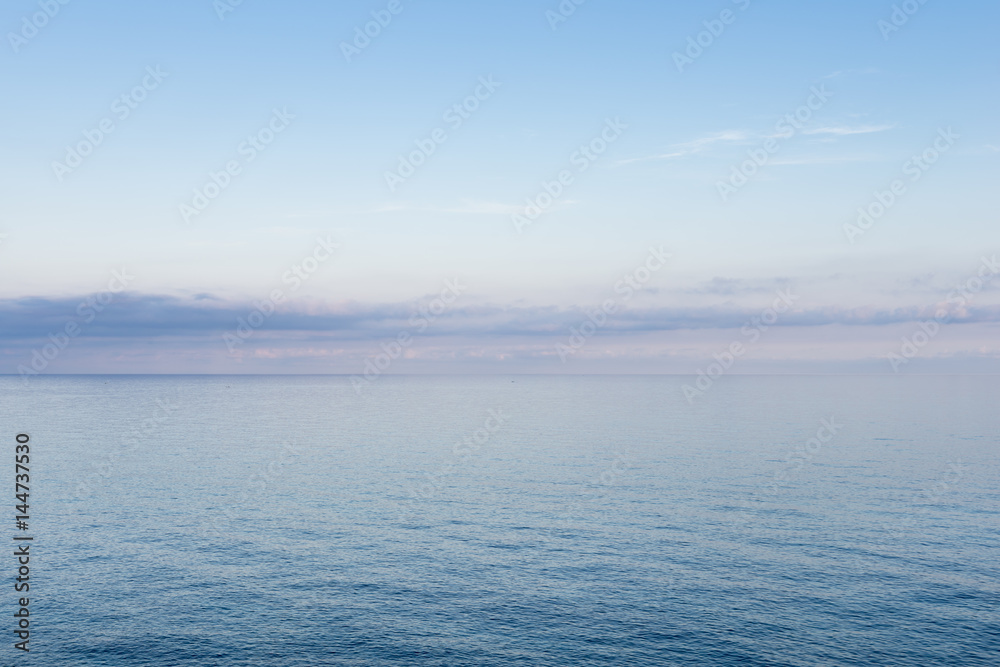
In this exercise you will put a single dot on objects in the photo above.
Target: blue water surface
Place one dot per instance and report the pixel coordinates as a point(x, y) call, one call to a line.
point(522, 520)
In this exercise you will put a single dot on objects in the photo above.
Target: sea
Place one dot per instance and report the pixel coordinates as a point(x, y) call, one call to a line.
point(504, 520)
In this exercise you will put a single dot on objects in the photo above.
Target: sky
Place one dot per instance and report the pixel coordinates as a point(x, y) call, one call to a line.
point(529, 186)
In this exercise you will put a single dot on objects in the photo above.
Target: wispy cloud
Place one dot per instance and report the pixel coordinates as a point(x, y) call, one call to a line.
point(825, 133)
point(690, 147)
point(843, 131)
point(469, 207)
point(721, 286)
point(465, 206)
point(823, 159)
point(847, 72)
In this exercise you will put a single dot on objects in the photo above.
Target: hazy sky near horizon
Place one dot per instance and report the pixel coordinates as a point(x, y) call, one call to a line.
point(825, 108)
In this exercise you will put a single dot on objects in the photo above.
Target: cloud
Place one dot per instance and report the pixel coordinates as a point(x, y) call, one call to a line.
point(843, 131)
point(157, 317)
point(143, 333)
point(701, 144)
point(691, 147)
point(823, 159)
point(468, 207)
point(846, 72)
point(737, 286)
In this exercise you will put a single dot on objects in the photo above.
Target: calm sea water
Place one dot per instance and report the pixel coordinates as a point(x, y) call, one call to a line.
point(508, 521)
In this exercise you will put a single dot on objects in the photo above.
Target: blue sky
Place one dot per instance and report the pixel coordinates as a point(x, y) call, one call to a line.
point(888, 95)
